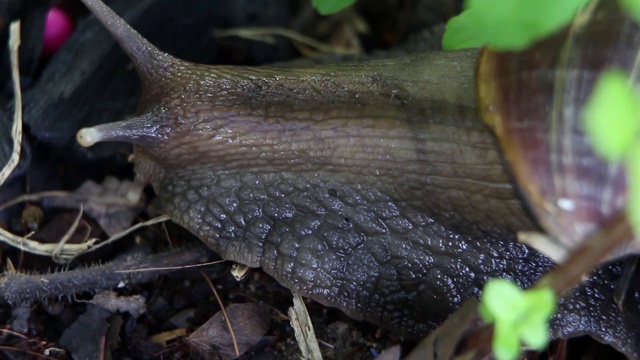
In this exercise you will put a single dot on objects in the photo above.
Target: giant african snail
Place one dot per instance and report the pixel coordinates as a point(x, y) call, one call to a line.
point(375, 187)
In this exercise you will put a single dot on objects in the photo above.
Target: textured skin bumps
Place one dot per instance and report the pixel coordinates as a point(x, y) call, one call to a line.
point(354, 248)
point(346, 246)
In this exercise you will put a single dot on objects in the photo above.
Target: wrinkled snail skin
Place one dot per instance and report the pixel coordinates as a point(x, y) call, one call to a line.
point(370, 187)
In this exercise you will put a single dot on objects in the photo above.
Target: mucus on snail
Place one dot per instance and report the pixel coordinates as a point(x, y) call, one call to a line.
point(375, 187)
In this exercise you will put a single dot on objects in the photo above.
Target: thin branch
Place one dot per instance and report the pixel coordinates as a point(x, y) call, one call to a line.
point(67, 253)
point(16, 288)
point(72, 230)
point(175, 267)
point(591, 252)
point(120, 235)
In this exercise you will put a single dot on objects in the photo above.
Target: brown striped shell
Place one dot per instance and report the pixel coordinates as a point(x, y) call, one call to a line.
point(534, 103)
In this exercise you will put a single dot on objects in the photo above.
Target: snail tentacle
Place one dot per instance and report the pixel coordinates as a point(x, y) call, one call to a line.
point(151, 64)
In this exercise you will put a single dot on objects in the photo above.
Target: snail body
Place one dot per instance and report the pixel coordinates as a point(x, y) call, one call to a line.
point(371, 187)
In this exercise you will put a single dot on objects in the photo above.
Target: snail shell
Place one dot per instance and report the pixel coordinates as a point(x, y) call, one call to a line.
point(571, 190)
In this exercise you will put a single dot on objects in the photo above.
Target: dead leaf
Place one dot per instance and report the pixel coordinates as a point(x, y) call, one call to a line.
point(113, 204)
point(250, 321)
point(84, 337)
point(62, 226)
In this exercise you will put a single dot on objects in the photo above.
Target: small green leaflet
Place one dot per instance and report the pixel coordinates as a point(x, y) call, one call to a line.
point(612, 122)
point(632, 7)
point(328, 7)
point(508, 24)
point(517, 315)
point(612, 115)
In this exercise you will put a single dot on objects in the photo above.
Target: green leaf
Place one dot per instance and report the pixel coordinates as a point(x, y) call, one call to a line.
point(540, 305)
point(508, 24)
point(502, 300)
point(544, 17)
point(632, 7)
point(535, 335)
point(505, 343)
point(459, 33)
point(517, 316)
point(328, 7)
point(612, 115)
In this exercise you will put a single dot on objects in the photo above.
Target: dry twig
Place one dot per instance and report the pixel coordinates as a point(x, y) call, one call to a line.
point(303, 329)
point(16, 288)
point(16, 129)
point(67, 252)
